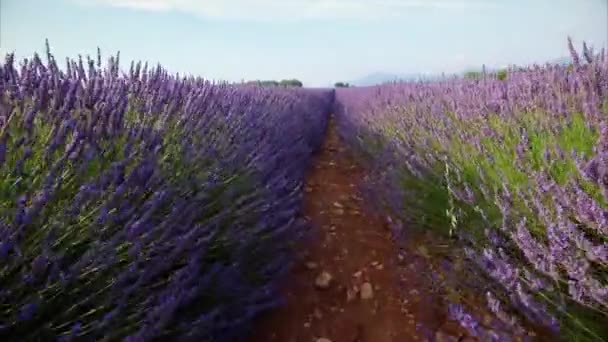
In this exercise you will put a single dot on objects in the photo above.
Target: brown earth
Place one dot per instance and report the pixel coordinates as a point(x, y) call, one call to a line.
point(354, 247)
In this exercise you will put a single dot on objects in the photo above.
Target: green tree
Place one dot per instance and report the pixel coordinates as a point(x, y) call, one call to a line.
point(341, 85)
point(473, 75)
point(291, 83)
point(502, 74)
point(265, 83)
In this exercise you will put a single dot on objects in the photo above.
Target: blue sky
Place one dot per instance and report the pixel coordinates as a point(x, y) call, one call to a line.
point(316, 41)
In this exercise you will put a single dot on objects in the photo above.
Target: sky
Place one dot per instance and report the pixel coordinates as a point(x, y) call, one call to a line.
point(316, 41)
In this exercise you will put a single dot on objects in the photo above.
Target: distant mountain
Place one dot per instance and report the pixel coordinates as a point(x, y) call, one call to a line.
point(562, 60)
point(375, 78)
point(383, 77)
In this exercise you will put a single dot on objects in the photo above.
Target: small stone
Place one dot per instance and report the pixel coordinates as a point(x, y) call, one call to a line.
point(375, 263)
point(339, 212)
point(367, 291)
point(308, 189)
point(323, 280)
point(332, 228)
point(351, 294)
point(307, 325)
point(323, 339)
point(380, 267)
point(318, 314)
point(338, 205)
point(414, 292)
point(312, 265)
point(357, 274)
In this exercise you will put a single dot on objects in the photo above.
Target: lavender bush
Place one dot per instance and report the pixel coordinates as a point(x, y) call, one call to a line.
point(515, 168)
point(145, 205)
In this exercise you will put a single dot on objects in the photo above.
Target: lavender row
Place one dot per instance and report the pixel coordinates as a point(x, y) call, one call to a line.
point(143, 205)
point(515, 169)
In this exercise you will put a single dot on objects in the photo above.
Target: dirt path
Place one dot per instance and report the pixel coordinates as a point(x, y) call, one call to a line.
point(364, 300)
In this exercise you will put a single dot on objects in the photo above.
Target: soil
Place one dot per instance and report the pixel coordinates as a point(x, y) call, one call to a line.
point(354, 246)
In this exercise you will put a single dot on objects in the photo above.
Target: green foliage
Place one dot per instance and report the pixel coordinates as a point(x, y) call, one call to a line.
point(75, 235)
point(504, 161)
point(283, 83)
point(498, 162)
point(473, 75)
point(501, 74)
point(476, 75)
point(266, 83)
point(291, 83)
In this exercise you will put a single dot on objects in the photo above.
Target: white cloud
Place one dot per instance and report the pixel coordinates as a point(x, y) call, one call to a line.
point(285, 10)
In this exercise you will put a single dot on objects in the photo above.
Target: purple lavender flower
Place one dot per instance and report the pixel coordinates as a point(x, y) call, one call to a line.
point(27, 312)
point(457, 313)
point(39, 265)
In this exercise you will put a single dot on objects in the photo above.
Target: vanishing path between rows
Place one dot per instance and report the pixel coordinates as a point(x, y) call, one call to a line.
point(350, 283)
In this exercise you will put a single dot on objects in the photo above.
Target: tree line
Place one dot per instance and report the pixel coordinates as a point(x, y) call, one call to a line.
point(283, 83)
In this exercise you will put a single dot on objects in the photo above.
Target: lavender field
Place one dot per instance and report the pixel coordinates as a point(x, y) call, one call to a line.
point(145, 205)
point(141, 205)
point(514, 170)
